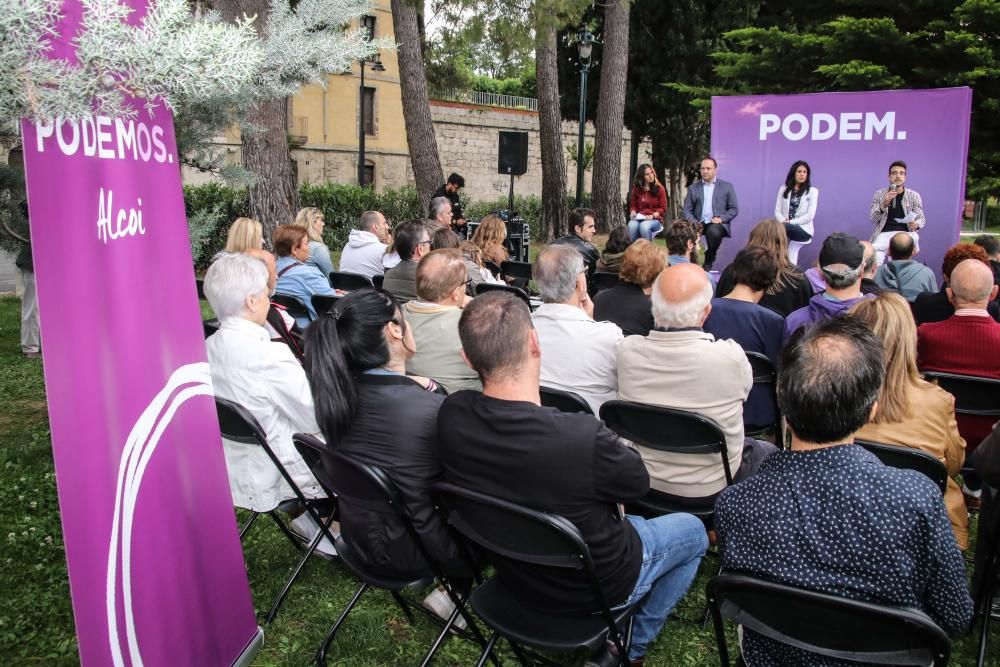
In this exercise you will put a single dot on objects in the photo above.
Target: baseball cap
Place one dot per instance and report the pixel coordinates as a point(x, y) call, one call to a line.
point(841, 252)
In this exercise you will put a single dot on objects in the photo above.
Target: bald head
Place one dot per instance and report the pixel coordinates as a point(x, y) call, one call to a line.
point(871, 260)
point(681, 297)
point(439, 275)
point(971, 285)
point(268, 259)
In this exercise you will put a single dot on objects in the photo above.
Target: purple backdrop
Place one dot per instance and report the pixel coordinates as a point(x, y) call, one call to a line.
point(155, 564)
point(849, 140)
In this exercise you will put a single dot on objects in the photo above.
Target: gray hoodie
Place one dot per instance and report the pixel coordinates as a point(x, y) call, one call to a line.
point(907, 277)
point(363, 254)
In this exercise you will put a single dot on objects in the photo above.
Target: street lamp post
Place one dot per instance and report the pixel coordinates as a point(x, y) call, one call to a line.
point(585, 43)
point(376, 61)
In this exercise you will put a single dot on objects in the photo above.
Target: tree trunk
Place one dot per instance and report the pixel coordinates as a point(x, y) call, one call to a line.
point(274, 198)
point(606, 187)
point(416, 109)
point(550, 136)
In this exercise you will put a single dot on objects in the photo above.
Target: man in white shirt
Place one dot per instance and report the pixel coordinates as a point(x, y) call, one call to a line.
point(366, 246)
point(265, 378)
point(578, 354)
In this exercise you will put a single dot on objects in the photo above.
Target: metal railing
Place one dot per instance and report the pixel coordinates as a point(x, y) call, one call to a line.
point(485, 99)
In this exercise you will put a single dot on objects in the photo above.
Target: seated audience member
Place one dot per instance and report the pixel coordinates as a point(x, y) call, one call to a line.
point(433, 318)
point(868, 284)
point(372, 412)
point(968, 341)
point(902, 273)
point(489, 237)
point(829, 516)
point(504, 444)
point(578, 354)
point(912, 412)
point(678, 365)
point(614, 251)
point(936, 306)
point(816, 279)
point(474, 260)
point(311, 219)
point(842, 262)
point(281, 327)
point(791, 289)
point(264, 378)
point(412, 242)
point(991, 245)
point(739, 317)
point(245, 234)
point(366, 246)
point(295, 277)
point(440, 215)
point(682, 238)
point(628, 304)
point(444, 239)
point(582, 227)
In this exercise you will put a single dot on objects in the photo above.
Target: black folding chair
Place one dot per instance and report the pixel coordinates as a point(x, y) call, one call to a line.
point(765, 382)
point(200, 285)
point(898, 456)
point(564, 401)
point(514, 536)
point(829, 625)
point(209, 327)
point(239, 426)
point(519, 270)
point(973, 395)
point(604, 280)
point(493, 268)
point(292, 304)
point(322, 303)
point(368, 484)
point(378, 280)
point(669, 430)
point(348, 282)
point(482, 288)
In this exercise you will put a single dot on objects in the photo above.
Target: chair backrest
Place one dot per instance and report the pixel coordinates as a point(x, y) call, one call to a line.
point(311, 449)
point(667, 430)
point(348, 282)
point(512, 269)
point(763, 369)
point(378, 280)
point(898, 456)
point(209, 327)
point(604, 280)
point(832, 626)
point(493, 268)
point(292, 304)
point(564, 401)
point(200, 284)
point(322, 303)
point(973, 395)
point(482, 288)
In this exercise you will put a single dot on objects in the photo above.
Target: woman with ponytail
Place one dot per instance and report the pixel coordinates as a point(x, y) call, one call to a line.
point(370, 411)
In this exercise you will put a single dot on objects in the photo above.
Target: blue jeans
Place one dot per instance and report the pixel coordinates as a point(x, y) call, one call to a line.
point(644, 228)
point(672, 548)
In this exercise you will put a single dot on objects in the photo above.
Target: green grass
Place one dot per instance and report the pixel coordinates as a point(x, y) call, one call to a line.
point(36, 624)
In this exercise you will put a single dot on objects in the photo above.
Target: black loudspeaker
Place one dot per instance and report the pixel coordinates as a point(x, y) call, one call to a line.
point(512, 153)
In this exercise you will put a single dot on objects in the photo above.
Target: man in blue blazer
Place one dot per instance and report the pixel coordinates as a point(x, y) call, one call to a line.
point(711, 202)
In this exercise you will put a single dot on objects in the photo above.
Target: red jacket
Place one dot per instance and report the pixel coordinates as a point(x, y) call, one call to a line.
point(647, 203)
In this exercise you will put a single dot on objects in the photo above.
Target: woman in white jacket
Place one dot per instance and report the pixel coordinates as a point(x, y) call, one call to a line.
point(796, 207)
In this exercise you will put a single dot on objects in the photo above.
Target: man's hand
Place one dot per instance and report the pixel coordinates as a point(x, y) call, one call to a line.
point(913, 227)
point(717, 220)
point(632, 214)
point(889, 196)
point(586, 305)
point(460, 222)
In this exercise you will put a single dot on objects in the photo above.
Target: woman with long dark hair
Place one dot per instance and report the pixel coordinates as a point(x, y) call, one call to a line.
point(796, 206)
point(647, 205)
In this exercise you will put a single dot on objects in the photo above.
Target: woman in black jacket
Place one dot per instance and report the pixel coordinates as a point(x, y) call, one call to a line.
point(370, 411)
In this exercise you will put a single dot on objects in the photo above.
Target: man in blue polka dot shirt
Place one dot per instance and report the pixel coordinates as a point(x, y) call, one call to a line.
point(828, 516)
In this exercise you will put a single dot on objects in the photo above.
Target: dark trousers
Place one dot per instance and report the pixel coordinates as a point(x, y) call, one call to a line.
point(714, 233)
point(796, 233)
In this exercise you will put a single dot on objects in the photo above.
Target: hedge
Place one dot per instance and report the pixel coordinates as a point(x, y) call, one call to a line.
point(212, 208)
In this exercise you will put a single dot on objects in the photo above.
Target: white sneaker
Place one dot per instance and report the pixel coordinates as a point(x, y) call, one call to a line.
point(442, 606)
point(306, 528)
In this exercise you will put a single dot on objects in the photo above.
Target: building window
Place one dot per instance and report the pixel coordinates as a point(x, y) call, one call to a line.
point(369, 118)
point(368, 23)
point(369, 173)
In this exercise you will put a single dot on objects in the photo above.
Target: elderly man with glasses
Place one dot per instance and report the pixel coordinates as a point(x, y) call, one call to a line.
point(412, 241)
point(433, 317)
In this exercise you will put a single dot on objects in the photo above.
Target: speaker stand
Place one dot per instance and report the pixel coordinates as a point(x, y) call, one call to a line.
point(510, 200)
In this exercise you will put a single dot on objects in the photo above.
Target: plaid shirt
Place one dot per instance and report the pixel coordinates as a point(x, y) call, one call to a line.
point(879, 214)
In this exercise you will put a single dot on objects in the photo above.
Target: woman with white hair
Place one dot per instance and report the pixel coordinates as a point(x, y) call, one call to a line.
point(264, 378)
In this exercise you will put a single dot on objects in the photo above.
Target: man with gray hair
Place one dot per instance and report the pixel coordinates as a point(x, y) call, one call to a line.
point(441, 215)
point(366, 246)
point(578, 354)
point(678, 365)
point(842, 262)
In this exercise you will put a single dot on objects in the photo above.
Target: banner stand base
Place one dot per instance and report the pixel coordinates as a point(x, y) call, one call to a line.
point(250, 652)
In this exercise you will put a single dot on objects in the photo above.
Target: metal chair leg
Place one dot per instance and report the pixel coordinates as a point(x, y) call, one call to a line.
point(441, 637)
point(291, 579)
point(284, 529)
point(488, 650)
point(321, 654)
point(246, 526)
point(403, 605)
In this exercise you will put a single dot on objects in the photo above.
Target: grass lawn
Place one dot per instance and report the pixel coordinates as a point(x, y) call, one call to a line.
point(36, 624)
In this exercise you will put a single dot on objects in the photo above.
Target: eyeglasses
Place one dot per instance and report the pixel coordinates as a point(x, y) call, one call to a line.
point(423, 242)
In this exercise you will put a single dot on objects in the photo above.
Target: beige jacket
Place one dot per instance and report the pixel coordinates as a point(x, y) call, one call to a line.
point(439, 350)
point(688, 370)
point(931, 427)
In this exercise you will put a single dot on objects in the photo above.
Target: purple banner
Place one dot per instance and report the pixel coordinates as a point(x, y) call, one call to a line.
point(155, 564)
point(849, 140)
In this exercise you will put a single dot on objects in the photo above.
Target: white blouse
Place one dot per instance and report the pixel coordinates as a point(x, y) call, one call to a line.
point(805, 213)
